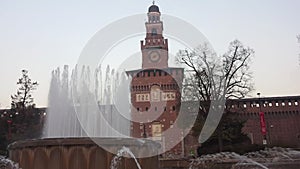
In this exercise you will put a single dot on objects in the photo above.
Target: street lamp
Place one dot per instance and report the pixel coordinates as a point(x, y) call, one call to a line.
point(144, 130)
point(9, 122)
point(271, 126)
point(298, 37)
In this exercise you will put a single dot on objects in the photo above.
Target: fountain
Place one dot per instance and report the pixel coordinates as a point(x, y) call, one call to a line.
point(116, 161)
point(84, 129)
point(79, 153)
point(270, 158)
point(7, 164)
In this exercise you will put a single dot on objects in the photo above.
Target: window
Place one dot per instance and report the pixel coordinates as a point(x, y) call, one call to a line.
point(155, 108)
point(155, 93)
point(283, 104)
point(296, 103)
point(245, 105)
point(289, 103)
point(276, 104)
point(270, 105)
point(153, 32)
point(153, 18)
point(146, 108)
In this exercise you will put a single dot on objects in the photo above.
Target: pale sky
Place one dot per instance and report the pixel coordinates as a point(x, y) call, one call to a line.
point(42, 35)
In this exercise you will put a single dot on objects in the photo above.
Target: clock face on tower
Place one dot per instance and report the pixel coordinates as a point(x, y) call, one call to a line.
point(154, 56)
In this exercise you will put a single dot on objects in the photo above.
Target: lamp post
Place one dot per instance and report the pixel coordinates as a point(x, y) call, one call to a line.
point(298, 37)
point(144, 130)
point(270, 127)
point(9, 122)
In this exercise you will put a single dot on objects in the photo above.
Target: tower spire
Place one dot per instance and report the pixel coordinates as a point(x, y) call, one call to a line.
point(153, 2)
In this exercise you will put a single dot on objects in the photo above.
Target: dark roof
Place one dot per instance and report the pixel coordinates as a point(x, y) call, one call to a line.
point(153, 8)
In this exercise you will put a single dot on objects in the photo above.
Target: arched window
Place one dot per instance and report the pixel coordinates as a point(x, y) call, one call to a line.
point(154, 32)
point(153, 18)
point(155, 93)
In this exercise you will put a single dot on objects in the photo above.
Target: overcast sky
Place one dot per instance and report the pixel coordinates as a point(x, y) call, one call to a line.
point(42, 35)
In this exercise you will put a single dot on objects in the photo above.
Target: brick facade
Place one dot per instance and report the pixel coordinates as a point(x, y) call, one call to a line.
point(282, 116)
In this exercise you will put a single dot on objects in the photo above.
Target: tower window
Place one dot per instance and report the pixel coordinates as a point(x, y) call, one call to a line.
point(154, 32)
point(153, 18)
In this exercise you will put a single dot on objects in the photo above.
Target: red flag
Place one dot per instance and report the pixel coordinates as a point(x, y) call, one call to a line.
point(263, 123)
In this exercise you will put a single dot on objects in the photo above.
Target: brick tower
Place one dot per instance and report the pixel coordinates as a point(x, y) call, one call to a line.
point(156, 88)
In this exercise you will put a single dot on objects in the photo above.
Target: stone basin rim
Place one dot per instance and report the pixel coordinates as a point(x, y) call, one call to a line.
point(86, 141)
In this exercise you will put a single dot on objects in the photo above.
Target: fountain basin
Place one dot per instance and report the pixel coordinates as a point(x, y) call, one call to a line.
point(80, 153)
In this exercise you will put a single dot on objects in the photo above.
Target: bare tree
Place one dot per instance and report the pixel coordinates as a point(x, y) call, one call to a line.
point(210, 78)
point(23, 97)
